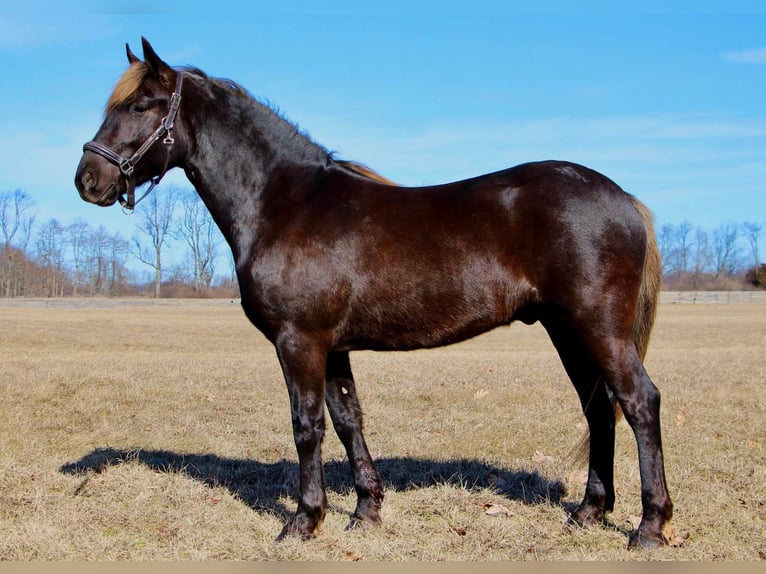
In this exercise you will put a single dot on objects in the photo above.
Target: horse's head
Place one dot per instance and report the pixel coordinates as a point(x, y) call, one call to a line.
point(136, 142)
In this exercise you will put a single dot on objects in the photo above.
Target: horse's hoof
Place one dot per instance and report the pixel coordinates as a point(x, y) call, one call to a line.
point(571, 524)
point(292, 529)
point(287, 532)
point(643, 541)
point(358, 522)
point(585, 518)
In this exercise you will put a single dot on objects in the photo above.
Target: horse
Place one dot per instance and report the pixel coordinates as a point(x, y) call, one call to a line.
point(331, 257)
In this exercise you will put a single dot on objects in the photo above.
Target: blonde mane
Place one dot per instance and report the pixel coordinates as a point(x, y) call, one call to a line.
point(127, 86)
point(365, 171)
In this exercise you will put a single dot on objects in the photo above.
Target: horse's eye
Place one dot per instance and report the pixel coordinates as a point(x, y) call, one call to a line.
point(138, 108)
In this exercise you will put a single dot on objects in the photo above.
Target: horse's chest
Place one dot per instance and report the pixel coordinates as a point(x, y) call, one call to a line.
point(294, 287)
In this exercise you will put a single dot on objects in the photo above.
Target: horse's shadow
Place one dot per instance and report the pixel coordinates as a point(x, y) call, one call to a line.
point(261, 485)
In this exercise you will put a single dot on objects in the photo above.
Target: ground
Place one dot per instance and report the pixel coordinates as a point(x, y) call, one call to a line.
point(134, 429)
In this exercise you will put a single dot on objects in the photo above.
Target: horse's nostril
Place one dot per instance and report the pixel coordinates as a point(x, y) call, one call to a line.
point(88, 181)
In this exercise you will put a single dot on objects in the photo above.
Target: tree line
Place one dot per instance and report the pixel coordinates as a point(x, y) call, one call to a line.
point(727, 257)
point(54, 259)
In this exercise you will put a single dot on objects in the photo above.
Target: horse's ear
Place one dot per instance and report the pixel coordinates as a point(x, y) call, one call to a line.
point(165, 73)
point(132, 58)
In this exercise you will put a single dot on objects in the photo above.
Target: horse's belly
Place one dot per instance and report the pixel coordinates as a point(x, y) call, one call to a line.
point(431, 318)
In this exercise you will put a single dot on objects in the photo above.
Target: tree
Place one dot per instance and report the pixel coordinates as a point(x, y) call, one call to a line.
point(16, 220)
point(725, 250)
point(50, 255)
point(104, 262)
point(684, 244)
point(96, 260)
point(752, 232)
point(200, 232)
point(116, 269)
point(155, 224)
point(665, 241)
point(676, 247)
point(700, 256)
point(78, 234)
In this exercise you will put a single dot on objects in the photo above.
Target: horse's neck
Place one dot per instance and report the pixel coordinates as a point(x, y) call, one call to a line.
point(242, 161)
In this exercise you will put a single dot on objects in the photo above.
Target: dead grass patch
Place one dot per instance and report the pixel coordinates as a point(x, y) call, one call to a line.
point(141, 431)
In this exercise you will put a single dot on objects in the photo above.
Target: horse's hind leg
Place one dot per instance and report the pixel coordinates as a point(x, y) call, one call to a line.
point(599, 413)
point(640, 402)
point(615, 352)
point(346, 415)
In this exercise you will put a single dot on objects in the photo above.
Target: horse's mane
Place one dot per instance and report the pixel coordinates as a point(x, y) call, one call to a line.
point(129, 83)
point(131, 80)
point(364, 171)
point(127, 86)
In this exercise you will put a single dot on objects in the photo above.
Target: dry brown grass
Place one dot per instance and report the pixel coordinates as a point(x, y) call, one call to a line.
point(132, 430)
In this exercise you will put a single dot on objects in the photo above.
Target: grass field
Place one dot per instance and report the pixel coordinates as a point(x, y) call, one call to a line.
point(134, 430)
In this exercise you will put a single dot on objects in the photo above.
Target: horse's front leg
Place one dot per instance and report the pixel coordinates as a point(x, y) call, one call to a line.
point(346, 415)
point(303, 362)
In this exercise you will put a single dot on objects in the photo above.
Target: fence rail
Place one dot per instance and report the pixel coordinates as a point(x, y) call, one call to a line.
point(721, 297)
point(666, 298)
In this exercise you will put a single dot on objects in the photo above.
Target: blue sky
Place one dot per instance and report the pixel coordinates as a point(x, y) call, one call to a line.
point(668, 99)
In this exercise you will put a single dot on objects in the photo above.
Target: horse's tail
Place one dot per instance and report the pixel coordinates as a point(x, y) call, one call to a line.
point(649, 294)
point(646, 311)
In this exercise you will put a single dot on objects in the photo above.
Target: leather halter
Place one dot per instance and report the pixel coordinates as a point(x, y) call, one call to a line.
point(128, 164)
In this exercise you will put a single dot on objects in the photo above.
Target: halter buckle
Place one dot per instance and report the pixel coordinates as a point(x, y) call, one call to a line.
point(127, 167)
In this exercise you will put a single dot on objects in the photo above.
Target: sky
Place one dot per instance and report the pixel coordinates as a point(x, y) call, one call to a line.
point(666, 98)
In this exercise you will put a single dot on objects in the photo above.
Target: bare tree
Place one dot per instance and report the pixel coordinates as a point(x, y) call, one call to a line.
point(725, 250)
point(50, 256)
point(16, 216)
point(104, 261)
point(96, 260)
point(117, 250)
point(201, 234)
point(78, 234)
point(684, 244)
point(700, 256)
point(156, 226)
point(16, 220)
point(666, 241)
point(676, 246)
point(752, 232)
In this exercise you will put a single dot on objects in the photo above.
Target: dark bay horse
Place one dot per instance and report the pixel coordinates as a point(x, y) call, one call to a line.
point(333, 258)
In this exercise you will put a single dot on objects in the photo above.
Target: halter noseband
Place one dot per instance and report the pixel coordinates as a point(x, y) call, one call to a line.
point(127, 165)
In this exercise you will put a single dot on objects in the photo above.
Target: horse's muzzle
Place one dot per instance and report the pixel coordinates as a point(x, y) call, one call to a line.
point(93, 186)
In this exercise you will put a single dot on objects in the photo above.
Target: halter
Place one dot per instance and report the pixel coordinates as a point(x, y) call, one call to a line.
point(127, 165)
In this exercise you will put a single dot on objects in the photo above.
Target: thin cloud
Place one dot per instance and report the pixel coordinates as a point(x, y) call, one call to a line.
point(22, 32)
point(756, 56)
point(16, 32)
